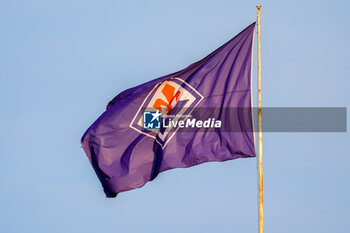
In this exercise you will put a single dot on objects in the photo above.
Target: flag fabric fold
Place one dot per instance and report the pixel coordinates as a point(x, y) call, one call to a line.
point(127, 148)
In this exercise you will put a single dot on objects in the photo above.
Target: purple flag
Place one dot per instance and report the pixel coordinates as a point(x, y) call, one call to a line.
point(199, 114)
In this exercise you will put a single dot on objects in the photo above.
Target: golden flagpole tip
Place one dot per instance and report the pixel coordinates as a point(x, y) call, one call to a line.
point(258, 6)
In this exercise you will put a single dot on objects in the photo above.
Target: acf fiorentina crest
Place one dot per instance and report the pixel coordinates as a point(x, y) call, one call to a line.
point(161, 101)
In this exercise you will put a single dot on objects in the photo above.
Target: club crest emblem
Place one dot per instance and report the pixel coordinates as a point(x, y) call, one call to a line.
point(166, 96)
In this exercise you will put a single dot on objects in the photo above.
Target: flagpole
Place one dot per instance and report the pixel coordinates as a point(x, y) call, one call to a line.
point(260, 158)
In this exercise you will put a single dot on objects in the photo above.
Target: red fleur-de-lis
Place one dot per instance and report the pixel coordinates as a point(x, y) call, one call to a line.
point(170, 99)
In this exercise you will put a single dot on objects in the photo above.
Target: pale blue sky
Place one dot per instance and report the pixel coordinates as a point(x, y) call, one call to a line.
point(62, 61)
